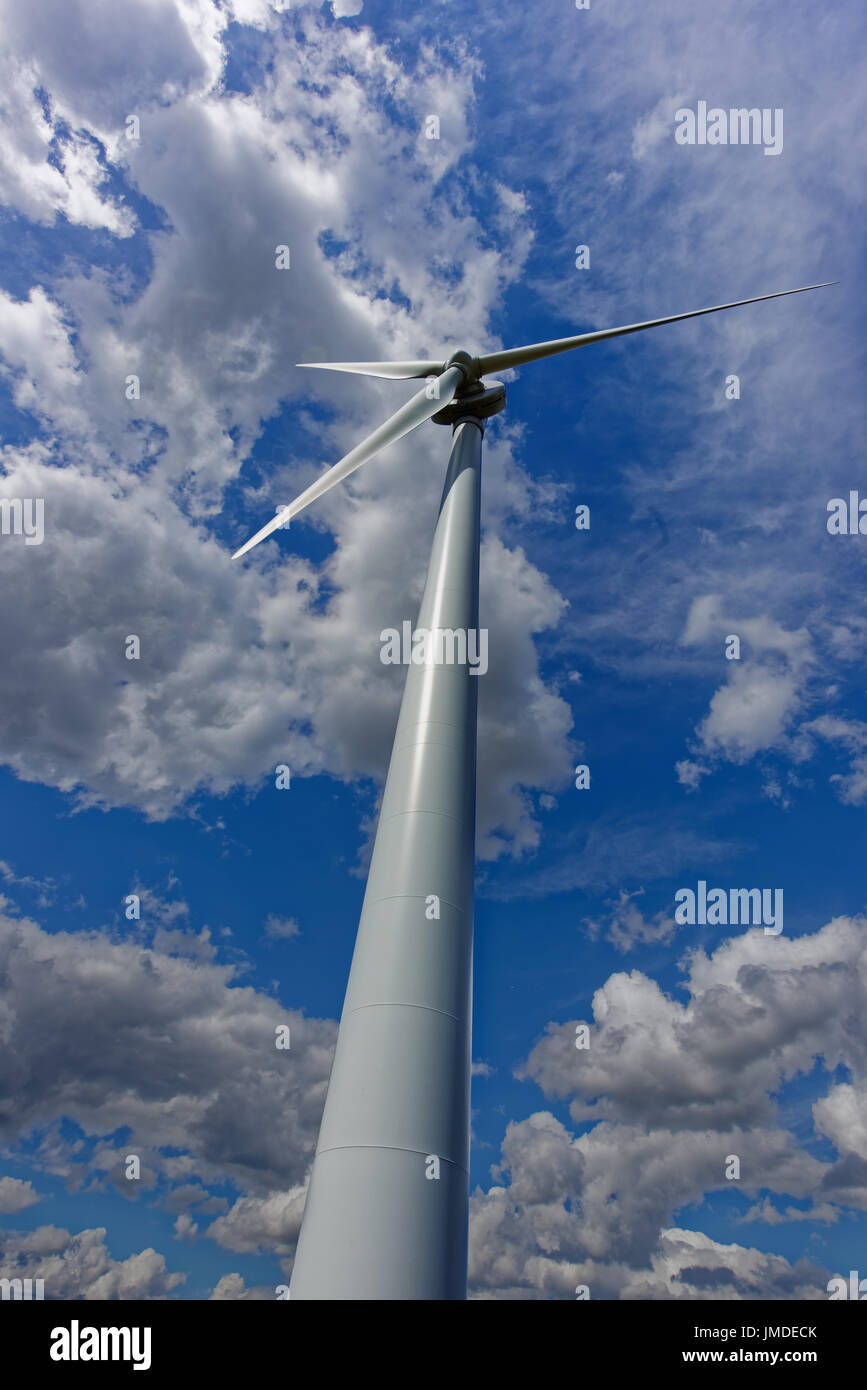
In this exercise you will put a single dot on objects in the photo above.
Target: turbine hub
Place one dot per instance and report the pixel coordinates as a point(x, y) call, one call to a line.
point(470, 365)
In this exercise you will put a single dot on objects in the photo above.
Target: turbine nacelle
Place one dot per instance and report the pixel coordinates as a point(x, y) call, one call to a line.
point(478, 400)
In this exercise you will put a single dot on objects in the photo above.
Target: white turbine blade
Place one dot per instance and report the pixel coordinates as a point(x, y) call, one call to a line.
point(516, 357)
point(392, 371)
point(420, 408)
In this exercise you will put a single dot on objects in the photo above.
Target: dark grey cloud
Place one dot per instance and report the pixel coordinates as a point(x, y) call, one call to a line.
point(596, 1211)
point(166, 1046)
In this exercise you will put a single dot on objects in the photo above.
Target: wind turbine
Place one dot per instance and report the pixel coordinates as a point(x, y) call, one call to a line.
point(387, 1205)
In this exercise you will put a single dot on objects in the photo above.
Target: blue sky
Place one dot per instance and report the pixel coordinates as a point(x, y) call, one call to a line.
point(155, 257)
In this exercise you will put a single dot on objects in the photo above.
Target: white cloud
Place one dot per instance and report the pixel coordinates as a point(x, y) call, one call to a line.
point(852, 735)
point(281, 928)
point(242, 665)
point(842, 1116)
point(690, 773)
point(689, 1266)
point(40, 360)
point(211, 340)
point(759, 1011)
point(625, 926)
point(185, 1227)
point(271, 1223)
point(739, 487)
point(129, 60)
point(764, 693)
point(44, 888)
point(16, 1195)
point(72, 182)
point(762, 705)
point(752, 711)
point(670, 1091)
point(768, 1215)
point(657, 126)
point(80, 1266)
point(231, 1288)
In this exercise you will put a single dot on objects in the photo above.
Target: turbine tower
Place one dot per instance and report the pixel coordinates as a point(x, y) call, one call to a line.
point(386, 1212)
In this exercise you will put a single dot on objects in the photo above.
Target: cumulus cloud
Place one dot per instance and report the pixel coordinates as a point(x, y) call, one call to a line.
point(595, 1210)
point(278, 661)
point(46, 168)
point(16, 1195)
point(185, 1227)
point(261, 1223)
point(164, 1046)
point(690, 773)
point(689, 1265)
point(764, 690)
point(39, 359)
point(152, 51)
point(842, 1116)
point(232, 1288)
point(671, 1092)
point(760, 1010)
point(80, 1266)
point(243, 667)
